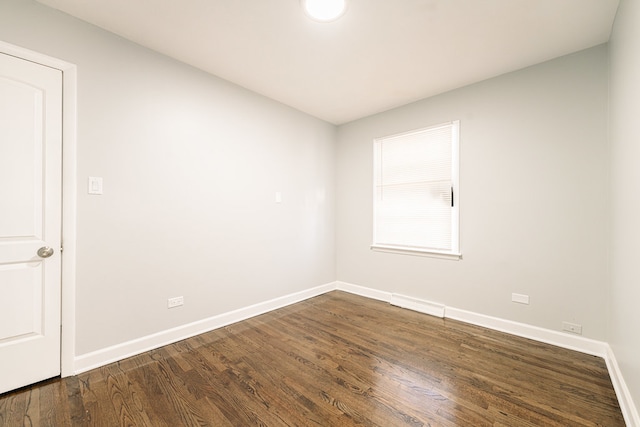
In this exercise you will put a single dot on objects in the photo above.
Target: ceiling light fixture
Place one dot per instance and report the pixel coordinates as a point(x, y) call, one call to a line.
point(324, 10)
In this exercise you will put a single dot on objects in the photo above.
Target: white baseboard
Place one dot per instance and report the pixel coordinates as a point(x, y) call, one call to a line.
point(95, 359)
point(560, 339)
point(363, 291)
point(628, 408)
point(557, 338)
point(422, 306)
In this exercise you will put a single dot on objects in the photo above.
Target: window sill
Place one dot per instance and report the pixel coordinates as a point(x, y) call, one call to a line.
point(417, 252)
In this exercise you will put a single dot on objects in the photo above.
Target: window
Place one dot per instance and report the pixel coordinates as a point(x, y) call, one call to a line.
point(416, 192)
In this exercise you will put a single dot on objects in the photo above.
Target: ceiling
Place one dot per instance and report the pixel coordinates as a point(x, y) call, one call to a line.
point(381, 54)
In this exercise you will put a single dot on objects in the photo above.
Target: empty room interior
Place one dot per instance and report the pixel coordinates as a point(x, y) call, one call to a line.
point(218, 219)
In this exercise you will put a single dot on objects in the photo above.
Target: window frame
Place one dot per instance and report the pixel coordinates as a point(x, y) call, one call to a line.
point(455, 252)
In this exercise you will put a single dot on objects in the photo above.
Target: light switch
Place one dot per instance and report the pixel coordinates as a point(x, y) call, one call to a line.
point(278, 197)
point(95, 185)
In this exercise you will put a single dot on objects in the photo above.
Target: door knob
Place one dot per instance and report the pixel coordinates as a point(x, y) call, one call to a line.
point(45, 252)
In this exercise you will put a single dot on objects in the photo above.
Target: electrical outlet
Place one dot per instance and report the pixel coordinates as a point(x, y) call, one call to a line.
point(572, 327)
point(175, 302)
point(519, 298)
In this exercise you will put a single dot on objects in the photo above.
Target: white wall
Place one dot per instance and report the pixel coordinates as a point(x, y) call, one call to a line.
point(191, 165)
point(534, 188)
point(624, 335)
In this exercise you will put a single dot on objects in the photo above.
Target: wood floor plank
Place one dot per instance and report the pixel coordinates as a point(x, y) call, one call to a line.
point(386, 354)
point(13, 409)
point(311, 366)
point(328, 364)
point(178, 402)
point(72, 403)
point(99, 409)
point(225, 383)
point(333, 360)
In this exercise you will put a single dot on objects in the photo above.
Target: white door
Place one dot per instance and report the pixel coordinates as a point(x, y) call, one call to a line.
point(30, 221)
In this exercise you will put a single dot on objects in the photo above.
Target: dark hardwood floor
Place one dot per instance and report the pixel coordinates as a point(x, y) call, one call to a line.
point(333, 360)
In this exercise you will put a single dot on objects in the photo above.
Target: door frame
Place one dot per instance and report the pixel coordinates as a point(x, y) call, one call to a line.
point(69, 198)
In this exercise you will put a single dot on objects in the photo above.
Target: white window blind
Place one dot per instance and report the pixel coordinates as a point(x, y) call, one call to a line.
point(416, 176)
